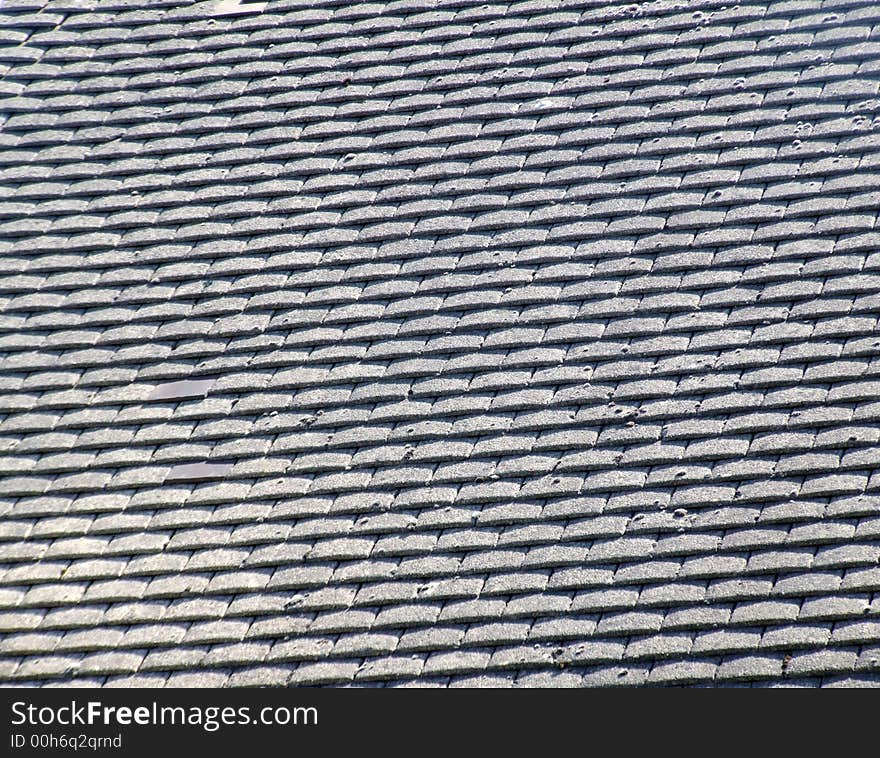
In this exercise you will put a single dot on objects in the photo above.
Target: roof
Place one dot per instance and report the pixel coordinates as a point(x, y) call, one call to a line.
point(437, 342)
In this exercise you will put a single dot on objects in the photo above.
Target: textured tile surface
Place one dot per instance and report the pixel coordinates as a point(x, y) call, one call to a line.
point(439, 343)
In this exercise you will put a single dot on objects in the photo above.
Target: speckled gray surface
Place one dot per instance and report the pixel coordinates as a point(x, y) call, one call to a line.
point(439, 342)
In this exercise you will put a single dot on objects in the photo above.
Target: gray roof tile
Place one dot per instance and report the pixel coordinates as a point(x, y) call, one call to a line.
point(366, 392)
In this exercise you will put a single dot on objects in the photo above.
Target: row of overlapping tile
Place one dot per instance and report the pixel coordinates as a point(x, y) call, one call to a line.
point(440, 343)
